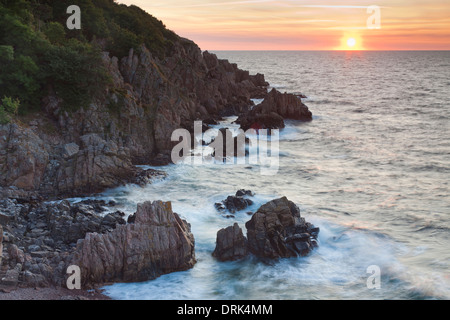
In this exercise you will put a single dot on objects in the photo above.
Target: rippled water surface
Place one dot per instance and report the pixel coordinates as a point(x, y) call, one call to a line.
point(372, 171)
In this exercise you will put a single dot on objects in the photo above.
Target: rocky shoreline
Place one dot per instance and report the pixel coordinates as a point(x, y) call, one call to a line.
point(54, 154)
point(39, 241)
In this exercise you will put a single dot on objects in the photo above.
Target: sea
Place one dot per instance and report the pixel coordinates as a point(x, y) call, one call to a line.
point(372, 170)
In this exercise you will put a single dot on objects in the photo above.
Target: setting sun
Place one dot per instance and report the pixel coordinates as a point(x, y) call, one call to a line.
point(351, 42)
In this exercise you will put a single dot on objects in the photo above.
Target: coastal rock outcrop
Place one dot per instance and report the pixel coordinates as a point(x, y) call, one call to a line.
point(236, 203)
point(42, 240)
point(158, 242)
point(231, 244)
point(276, 230)
point(271, 112)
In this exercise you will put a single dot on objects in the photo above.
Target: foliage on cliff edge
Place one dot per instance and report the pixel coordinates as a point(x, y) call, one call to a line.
point(38, 52)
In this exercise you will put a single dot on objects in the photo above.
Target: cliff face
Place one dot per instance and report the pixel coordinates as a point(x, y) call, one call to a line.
point(157, 243)
point(56, 153)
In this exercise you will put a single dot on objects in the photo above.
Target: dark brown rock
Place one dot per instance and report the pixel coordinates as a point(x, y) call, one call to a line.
point(287, 105)
point(258, 121)
point(68, 223)
point(277, 230)
point(231, 244)
point(276, 107)
point(236, 203)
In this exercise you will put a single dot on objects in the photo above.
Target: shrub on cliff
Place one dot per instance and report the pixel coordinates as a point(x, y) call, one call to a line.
point(8, 108)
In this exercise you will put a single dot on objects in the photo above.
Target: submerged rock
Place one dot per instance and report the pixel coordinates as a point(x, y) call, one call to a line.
point(158, 242)
point(145, 177)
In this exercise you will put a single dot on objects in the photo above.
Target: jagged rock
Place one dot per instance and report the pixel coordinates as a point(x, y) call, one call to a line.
point(97, 147)
point(70, 150)
point(243, 192)
point(276, 107)
point(231, 244)
point(34, 280)
point(68, 223)
point(236, 203)
point(15, 255)
point(158, 242)
point(23, 157)
point(160, 160)
point(9, 210)
point(287, 105)
point(277, 230)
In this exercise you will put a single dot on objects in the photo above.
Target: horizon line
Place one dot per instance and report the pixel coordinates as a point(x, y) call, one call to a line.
point(368, 50)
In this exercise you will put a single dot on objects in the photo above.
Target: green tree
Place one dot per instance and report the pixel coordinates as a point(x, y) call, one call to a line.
point(76, 73)
point(55, 32)
point(6, 54)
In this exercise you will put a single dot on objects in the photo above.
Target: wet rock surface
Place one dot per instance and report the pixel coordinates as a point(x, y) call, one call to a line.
point(272, 112)
point(231, 244)
point(158, 242)
point(276, 230)
point(40, 240)
point(235, 203)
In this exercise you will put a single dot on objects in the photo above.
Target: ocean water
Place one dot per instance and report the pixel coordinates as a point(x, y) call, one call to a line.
point(372, 170)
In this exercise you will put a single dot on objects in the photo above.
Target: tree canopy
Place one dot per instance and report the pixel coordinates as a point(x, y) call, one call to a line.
point(38, 51)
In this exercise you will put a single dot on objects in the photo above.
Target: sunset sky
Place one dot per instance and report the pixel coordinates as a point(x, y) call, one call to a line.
point(305, 25)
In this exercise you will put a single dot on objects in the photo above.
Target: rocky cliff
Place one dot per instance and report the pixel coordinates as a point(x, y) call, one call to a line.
point(56, 153)
point(40, 241)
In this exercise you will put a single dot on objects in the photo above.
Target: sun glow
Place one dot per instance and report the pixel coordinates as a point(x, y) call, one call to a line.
point(351, 42)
